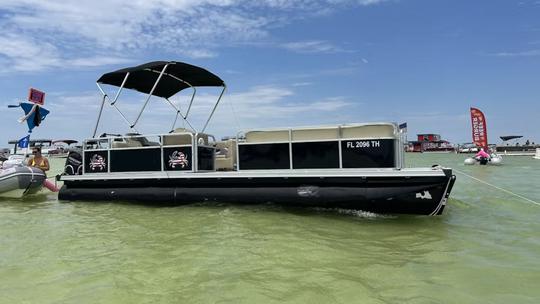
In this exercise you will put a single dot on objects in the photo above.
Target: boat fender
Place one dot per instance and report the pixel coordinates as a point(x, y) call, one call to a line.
point(496, 160)
point(469, 161)
point(50, 185)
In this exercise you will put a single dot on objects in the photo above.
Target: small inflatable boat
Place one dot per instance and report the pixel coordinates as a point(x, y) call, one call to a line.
point(19, 181)
point(493, 160)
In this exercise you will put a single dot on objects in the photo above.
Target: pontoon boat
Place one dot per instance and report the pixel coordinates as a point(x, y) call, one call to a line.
point(355, 166)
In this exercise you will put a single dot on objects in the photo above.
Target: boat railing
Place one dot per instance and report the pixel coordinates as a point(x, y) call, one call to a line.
point(181, 151)
point(374, 145)
point(336, 147)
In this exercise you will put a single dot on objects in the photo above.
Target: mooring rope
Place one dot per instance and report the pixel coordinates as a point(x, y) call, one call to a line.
point(499, 188)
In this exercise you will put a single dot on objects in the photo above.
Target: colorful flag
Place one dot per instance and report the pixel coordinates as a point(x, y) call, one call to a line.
point(36, 96)
point(23, 142)
point(34, 115)
point(479, 130)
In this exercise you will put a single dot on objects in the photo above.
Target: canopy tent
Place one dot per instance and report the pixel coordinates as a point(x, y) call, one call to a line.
point(176, 77)
point(510, 137)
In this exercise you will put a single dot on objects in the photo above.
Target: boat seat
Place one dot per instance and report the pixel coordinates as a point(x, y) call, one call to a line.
point(144, 141)
point(177, 139)
point(126, 143)
point(225, 155)
point(368, 131)
point(315, 134)
point(267, 136)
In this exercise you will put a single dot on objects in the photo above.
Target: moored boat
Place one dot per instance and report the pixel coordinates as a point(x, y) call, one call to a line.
point(44, 144)
point(60, 148)
point(430, 143)
point(18, 181)
point(12, 161)
point(494, 159)
point(355, 166)
point(511, 147)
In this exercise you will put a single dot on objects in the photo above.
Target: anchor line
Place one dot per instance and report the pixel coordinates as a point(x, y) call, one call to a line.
point(499, 188)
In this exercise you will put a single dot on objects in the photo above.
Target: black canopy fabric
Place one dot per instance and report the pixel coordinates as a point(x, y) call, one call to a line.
point(505, 138)
point(32, 141)
point(143, 77)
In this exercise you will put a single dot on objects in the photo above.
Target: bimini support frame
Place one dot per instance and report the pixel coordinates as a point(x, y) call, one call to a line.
point(161, 73)
point(150, 94)
point(214, 109)
point(178, 111)
point(112, 103)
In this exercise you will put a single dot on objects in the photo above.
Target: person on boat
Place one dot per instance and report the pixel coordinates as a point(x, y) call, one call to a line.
point(482, 156)
point(39, 161)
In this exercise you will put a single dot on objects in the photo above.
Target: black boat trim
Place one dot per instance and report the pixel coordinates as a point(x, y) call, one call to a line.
point(379, 194)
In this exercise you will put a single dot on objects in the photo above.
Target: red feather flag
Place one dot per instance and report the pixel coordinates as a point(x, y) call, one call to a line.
point(479, 130)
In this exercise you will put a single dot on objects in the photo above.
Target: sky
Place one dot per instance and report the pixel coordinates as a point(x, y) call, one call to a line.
point(285, 63)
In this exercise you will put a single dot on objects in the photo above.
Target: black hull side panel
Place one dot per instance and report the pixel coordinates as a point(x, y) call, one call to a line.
point(412, 195)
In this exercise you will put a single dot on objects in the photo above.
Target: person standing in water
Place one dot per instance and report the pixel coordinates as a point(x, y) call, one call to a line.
point(39, 161)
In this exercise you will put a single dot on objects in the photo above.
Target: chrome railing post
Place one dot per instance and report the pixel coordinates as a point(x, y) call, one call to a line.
point(150, 95)
point(99, 116)
point(214, 109)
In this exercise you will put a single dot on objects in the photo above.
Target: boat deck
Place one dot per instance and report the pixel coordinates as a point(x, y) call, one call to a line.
point(375, 172)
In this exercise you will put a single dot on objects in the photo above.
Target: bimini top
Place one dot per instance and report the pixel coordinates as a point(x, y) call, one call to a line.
point(505, 138)
point(176, 77)
point(32, 141)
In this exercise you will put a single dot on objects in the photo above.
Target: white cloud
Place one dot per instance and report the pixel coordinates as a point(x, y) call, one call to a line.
point(313, 46)
point(28, 54)
point(267, 106)
point(528, 53)
point(302, 84)
point(37, 34)
point(258, 107)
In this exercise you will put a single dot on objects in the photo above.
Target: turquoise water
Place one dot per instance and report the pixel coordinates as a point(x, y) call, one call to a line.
point(485, 248)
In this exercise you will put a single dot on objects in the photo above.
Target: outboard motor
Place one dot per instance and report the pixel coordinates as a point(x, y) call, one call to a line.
point(483, 160)
point(73, 164)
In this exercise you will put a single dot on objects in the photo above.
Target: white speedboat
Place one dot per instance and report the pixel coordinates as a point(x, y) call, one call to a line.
point(13, 161)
